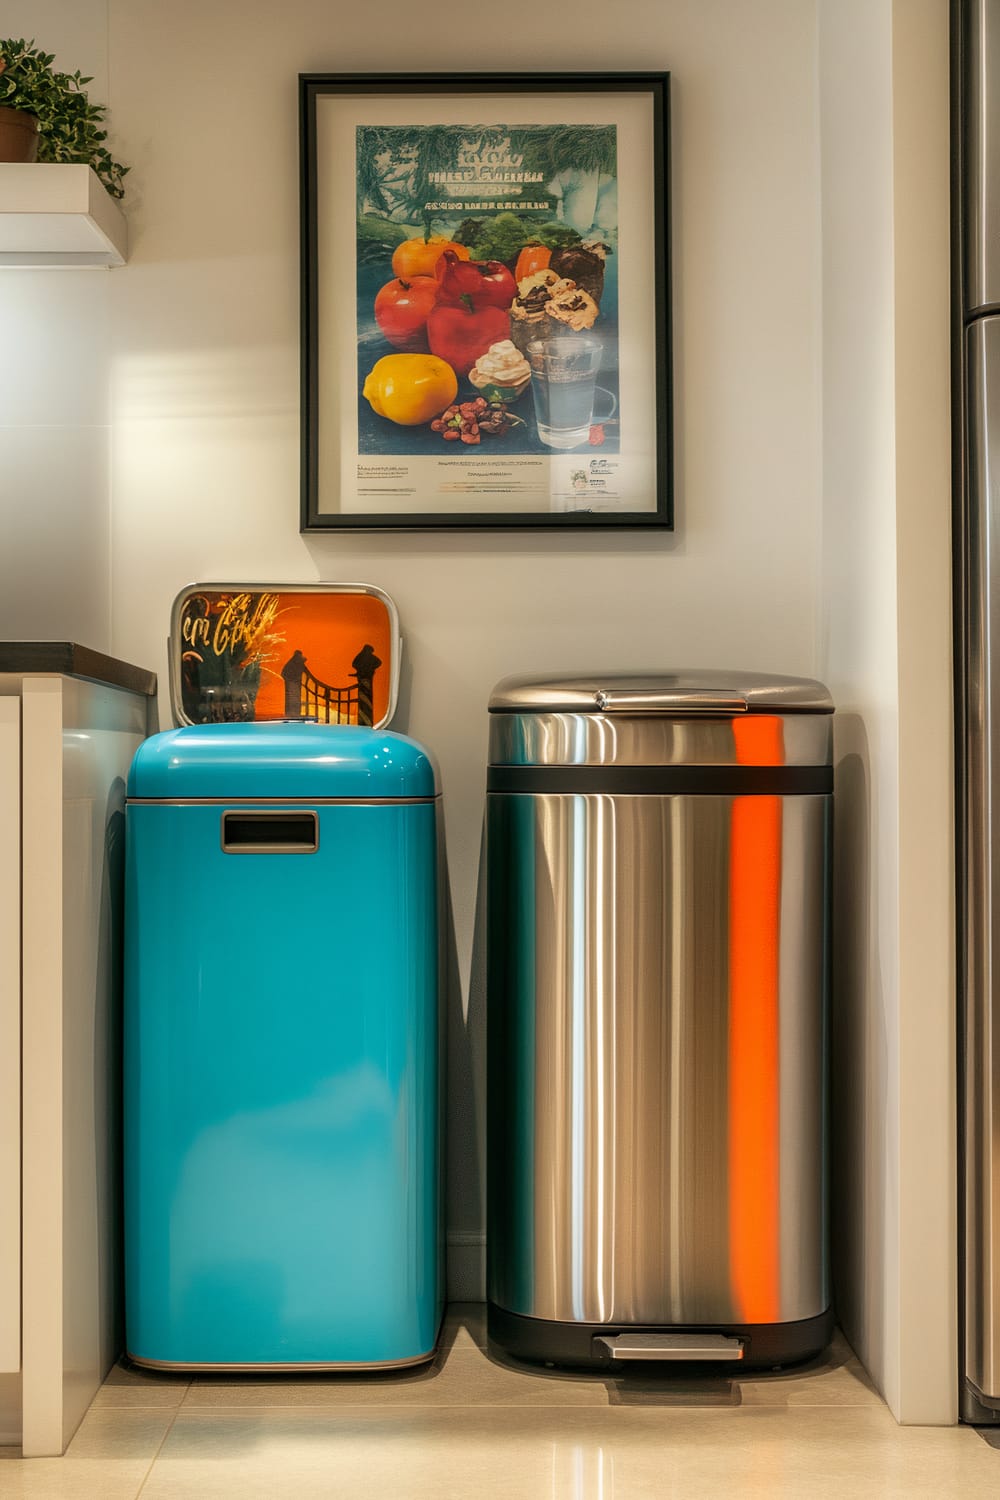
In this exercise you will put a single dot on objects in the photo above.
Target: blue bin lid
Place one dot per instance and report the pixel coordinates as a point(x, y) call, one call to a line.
point(279, 759)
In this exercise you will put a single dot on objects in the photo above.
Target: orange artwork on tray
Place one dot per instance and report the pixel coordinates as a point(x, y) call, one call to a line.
point(257, 654)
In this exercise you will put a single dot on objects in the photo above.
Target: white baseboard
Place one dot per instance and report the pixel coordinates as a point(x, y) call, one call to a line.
point(466, 1269)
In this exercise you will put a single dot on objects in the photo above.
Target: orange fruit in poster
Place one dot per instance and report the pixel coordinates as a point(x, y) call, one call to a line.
point(410, 388)
point(419, 257)
point(531, 259)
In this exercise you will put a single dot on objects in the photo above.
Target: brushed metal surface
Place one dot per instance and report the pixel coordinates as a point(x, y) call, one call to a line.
point(263, 802)
point(673, 1346)
point(591, 739)
point(981, 1021)
point(283, 1367)
point(611, 1102)
point(669, 700)
point(733, 692)
point(981, 152)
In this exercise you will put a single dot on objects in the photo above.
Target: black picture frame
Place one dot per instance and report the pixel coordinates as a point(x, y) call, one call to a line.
point(345, 121)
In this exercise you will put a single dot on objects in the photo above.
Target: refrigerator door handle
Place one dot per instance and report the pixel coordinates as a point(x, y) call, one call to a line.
point(980, 147)
point(981, 1019)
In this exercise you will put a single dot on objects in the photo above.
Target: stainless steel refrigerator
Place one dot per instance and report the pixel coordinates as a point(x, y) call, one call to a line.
point(976, 37)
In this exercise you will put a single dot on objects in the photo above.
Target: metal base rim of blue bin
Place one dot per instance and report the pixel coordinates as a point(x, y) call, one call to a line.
point(282, 1367)
point(545, 1341)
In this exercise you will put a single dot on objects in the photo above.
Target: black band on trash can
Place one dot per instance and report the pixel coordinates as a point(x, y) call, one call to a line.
point(665, 781)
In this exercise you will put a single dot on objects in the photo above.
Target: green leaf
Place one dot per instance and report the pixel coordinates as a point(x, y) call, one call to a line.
point(69, 124)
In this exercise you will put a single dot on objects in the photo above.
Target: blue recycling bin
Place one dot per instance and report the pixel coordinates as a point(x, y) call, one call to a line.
point(282, 1116)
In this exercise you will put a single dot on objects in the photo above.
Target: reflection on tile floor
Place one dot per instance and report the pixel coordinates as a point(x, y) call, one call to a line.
point(474, 1426)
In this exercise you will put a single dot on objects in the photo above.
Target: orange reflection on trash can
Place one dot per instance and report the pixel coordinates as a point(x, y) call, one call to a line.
point(754, 934)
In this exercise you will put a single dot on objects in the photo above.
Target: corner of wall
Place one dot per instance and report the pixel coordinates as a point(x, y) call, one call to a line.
point(886, 630)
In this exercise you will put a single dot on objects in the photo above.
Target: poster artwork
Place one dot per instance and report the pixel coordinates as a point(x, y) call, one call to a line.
point(489, 251)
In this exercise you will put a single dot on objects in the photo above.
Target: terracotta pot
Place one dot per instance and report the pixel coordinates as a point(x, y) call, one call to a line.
point(18, 134)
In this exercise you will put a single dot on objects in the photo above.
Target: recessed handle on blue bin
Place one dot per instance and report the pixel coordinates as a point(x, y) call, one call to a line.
point(281, 831)
point(717, 703)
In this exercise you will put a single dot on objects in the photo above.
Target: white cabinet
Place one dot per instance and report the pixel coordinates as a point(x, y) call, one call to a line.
point(66, 740)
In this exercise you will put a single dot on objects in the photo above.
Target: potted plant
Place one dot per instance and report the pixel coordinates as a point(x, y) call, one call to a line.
point(47, 115)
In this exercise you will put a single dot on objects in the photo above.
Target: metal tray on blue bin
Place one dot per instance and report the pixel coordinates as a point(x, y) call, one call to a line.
point(245, 653)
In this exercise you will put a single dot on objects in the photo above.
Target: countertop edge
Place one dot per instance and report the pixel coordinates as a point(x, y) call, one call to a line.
point(73, 660)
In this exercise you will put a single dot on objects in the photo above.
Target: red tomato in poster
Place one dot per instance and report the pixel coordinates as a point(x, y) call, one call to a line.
point(461, 333)
point(401, 309)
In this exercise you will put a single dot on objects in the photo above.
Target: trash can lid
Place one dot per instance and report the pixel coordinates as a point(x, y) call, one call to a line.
point(277, 761)
point(683, 693)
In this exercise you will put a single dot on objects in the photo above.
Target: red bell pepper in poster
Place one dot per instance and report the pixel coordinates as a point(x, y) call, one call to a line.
point(487, 282)
point(460, 333)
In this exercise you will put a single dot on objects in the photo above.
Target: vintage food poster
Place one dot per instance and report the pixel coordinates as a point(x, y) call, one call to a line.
point(497, 328)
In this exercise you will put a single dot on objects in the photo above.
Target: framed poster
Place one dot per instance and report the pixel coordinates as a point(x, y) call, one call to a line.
point(485, 301)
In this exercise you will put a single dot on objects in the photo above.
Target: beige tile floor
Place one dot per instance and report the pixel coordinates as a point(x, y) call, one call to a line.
point(472, 1428)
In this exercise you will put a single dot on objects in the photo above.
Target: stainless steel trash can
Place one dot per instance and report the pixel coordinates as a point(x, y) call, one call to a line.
point(658, 923)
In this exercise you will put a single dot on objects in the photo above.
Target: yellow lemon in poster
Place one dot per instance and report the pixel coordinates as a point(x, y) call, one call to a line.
point(410, 388)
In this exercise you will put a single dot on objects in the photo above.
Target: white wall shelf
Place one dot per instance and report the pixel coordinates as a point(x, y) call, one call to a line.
point(58, 214)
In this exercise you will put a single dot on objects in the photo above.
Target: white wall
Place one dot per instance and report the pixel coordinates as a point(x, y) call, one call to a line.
point(885, 650)
point(859, 647)
point(206, 399)
point(928, 1240)
point(54, 400)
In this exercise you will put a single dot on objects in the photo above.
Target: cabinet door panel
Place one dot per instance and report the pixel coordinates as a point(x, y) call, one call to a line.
point(10, 1035)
